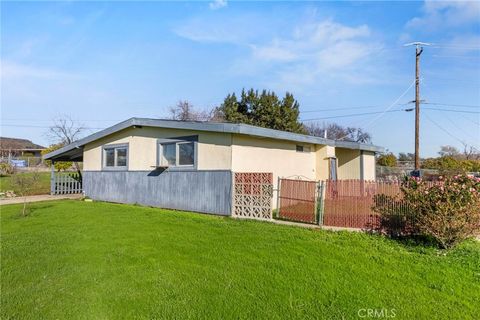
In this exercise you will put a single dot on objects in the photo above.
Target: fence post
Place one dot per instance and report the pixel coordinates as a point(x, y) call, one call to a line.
point(278, 197)
point(52, 179)
point(319, 202)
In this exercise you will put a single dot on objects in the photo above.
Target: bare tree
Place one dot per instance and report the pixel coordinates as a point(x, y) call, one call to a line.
point(185, 111)
point(65, 130)
point(23, 184)
point(448, 151)
point(337, 132)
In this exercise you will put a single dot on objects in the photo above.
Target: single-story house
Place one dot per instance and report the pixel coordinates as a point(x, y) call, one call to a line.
point(188, 165)
point(14, 147)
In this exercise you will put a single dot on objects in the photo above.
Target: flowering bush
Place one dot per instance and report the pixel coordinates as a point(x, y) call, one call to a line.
point(448, 211)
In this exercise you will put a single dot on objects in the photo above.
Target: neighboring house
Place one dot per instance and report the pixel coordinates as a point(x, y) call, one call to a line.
point(189, 165)
point(13, 147)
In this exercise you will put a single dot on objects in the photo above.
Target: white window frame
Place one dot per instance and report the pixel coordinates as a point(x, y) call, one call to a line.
point(115, 147)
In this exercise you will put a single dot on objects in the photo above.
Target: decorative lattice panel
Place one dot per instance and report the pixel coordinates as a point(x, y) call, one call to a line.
point(252, 197)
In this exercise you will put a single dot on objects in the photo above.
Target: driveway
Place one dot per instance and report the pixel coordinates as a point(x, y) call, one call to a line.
point(37, 198)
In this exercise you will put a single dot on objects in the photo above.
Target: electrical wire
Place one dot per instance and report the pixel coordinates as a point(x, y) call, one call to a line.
point(447, 132)
point(450, 110)
point(452, 105)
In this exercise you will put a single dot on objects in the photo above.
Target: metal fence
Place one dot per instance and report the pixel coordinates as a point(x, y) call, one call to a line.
point(348, 203)
point(298, 200)
point(23, 162)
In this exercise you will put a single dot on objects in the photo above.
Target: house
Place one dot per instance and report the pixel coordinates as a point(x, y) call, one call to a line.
point(189, 165)
point(14, 147)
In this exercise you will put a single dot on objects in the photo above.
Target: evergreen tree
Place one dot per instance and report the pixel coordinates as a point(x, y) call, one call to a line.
point(263, 110)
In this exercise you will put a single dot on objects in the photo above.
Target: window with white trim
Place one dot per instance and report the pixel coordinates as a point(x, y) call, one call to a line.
point(115, 157)
point(177, 154)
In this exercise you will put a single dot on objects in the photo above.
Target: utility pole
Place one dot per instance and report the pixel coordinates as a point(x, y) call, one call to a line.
point(418, 52)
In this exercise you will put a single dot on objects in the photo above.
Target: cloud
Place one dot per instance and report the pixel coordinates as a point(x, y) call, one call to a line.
point(443, 14)
point(12, 70)
point(217, 4)
point(314, 52)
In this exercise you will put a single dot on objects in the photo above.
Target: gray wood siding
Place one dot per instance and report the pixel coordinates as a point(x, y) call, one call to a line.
point(200, 191)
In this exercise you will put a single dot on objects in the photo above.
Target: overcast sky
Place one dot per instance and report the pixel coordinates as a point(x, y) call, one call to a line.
point(104, 62)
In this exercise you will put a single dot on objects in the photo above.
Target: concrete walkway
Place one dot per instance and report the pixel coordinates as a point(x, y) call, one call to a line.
point(42, 197)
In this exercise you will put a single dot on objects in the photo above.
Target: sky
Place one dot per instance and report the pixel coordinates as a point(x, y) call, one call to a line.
point(103, 62)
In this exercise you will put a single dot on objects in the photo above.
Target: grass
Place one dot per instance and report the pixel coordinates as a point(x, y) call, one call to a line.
point(42, 188)
point(92, 260)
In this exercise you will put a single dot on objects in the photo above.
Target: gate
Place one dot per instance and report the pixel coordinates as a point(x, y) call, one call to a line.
point(252, 195)
point(300, 200)
point(66, 183)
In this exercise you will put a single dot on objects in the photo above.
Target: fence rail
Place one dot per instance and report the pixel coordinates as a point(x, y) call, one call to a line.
point(66, 183)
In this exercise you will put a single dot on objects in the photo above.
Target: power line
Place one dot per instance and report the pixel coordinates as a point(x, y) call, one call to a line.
point(450, 110)
point(447, 132)
point(452, 105)
point(353, 115)
point(43, 127)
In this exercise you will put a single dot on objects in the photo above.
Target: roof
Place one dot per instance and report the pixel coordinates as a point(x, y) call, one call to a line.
point(18, 144)
point(74, 150)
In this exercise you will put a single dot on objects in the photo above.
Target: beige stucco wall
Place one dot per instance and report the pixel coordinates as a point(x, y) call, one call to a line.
point(369, 165)
point(251, 154)
point(240, 153)
point(323, 153)
point(214, 149)
point(348, 162)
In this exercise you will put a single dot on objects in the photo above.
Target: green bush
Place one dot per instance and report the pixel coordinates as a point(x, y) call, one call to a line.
point(6, 169)
point(59, 165)
point(387, 160)
point(451, 165)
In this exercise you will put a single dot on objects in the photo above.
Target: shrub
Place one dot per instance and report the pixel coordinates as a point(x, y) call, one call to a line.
point(6, 169)
point(387, 160)
point(59, 165)
point(448, 211)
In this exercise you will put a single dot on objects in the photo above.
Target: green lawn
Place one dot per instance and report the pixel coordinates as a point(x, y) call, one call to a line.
point(84, 260)
point(42, 188)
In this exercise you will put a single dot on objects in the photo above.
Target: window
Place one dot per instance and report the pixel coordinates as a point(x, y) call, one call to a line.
point(169, 154)
point(185, 154)
point(115, 156)
point(177, 154)
point(300, 148)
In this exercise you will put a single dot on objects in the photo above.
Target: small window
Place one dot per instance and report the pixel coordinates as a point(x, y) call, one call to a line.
point(177, 154)
point(115, 157)
point(300, 148)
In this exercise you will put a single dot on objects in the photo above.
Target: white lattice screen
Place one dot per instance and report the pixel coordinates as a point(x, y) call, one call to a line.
point(252, 197)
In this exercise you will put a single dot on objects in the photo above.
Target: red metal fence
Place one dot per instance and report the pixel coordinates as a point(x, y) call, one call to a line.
point(297, 200)
point(348, 203)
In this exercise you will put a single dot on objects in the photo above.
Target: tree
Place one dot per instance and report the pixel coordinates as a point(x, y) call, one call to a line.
point(338, 132)
point(387, 160)
point(23, 184)
point(406, 156)
point(58, 165)
point(263, 109)
point(449, 151)
point(185, 111)
point(65, 131)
